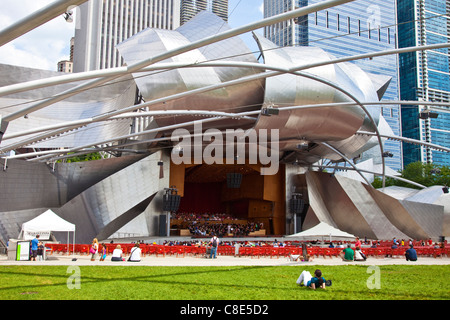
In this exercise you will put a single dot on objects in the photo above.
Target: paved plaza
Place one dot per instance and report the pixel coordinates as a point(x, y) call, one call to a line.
point(174, 260)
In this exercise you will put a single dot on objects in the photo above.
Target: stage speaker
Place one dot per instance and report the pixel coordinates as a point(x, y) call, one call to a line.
point(171, 202)
point(162, 225)
point(234, 180)
point(296, 205)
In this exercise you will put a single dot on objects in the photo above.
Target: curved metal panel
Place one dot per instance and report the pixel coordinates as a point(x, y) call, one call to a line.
point(89, 104)
point(160, 84)
point(322, 123)
point(354, 207)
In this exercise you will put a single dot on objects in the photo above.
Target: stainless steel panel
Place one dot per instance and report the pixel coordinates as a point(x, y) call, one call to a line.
point(160, 84)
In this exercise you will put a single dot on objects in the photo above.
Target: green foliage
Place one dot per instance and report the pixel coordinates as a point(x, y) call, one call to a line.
point(85, 157)
point(397, 282)
point(426, 174)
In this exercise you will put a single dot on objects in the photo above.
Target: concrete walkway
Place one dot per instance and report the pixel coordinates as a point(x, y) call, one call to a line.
point(173, 260)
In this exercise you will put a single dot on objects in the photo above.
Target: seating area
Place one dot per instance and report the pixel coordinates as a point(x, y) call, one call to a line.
point(206, 224)
point(265, 251)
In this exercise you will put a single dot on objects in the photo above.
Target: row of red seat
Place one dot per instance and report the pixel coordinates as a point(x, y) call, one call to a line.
point(273, 252)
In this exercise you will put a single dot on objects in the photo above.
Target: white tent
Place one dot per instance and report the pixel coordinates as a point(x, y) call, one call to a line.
point(322, 230)
point(46, 223)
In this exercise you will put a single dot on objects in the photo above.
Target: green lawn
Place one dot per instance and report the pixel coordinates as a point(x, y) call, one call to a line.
point(397, 282)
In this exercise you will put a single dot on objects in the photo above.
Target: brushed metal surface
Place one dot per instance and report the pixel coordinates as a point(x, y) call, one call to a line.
point(359, 209)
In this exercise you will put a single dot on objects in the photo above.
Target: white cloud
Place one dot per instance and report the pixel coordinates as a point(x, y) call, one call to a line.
point(41, 48)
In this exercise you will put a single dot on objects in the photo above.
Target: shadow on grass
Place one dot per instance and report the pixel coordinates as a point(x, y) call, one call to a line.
point(153, 278)
point(243, 279)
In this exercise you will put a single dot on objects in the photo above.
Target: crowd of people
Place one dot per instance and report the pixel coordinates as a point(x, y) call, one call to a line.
point(197, 228)
point(207, 224)
point(206, 216)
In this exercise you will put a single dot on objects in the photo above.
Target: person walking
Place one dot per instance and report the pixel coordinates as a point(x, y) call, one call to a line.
point(34, 247)
point(94, 249)
point(214, 243)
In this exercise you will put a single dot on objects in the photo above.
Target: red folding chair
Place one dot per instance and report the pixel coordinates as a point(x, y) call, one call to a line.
point(282, 252)
point(381, 252)
point(151, 250)
point(200, 252)
point(399, 252)
point(159, 250)
point(187, 250)
point(446, 251)
point(437, 253)
point(255, 252)
point(335, 252)
point(179, 251)
point(84, 249)
point(274, 253)
point(313, 251)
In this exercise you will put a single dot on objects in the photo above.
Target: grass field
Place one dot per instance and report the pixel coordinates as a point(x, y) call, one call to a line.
point(396, 282)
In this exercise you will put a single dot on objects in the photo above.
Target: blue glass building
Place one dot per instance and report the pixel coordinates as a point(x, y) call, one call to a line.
point(424, 76)
point(355, 28)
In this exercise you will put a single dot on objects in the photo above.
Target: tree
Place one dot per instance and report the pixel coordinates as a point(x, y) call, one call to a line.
point(426, 174)
point(85, 157)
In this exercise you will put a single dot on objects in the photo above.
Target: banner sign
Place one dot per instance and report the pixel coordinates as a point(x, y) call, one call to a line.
point(23, 250)
point(30, 235)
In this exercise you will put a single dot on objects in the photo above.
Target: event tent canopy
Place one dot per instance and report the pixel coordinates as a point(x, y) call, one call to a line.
point(46, 223)
point(323, 230)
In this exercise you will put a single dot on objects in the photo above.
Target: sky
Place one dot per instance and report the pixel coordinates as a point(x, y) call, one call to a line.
point(43, 47)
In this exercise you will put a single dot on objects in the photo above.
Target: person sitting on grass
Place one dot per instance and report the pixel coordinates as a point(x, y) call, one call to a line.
point(305, 279)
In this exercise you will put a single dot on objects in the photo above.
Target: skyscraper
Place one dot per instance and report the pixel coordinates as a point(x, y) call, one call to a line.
point(355, 28)
point(102, 24)
point(189, 8)
point(425, 76)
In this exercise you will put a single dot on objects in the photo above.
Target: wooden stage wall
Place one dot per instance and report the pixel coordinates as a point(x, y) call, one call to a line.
point(260, 198)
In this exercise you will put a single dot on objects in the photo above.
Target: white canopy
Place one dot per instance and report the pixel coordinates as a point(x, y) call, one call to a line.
point(46, 223)
point(322, 230)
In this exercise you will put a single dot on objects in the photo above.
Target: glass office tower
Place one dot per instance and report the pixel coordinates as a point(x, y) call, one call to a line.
point(355, 28)
point(424, 76)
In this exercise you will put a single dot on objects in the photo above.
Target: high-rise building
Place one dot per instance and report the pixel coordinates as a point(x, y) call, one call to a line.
point(189, 8)
point(425, 76)
point(350, 29)
point(67, 65)
point(102, 24)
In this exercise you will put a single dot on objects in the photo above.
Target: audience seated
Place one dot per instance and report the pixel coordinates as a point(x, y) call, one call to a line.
point(223, 229)
point(199, 224)
point(192, 216)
